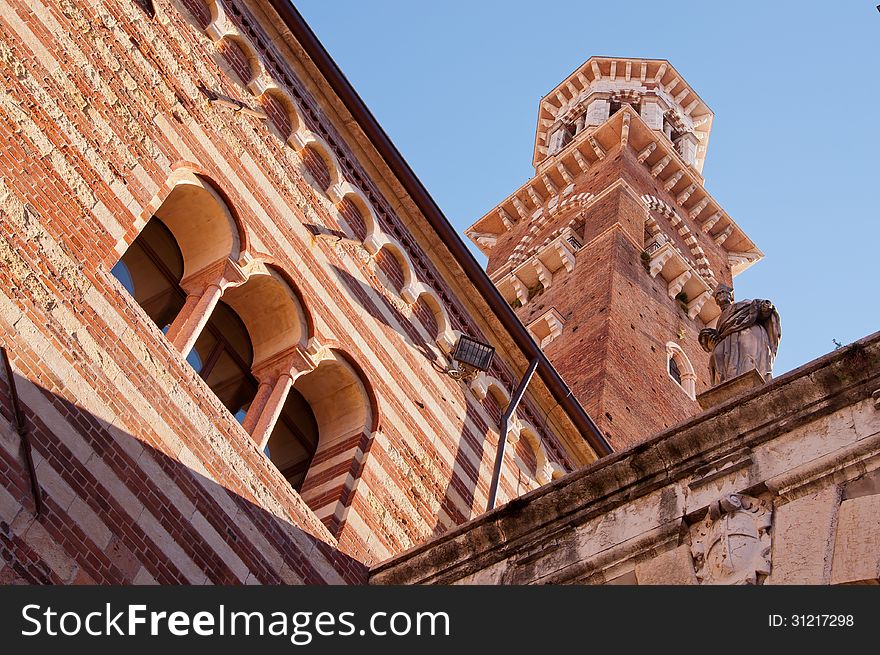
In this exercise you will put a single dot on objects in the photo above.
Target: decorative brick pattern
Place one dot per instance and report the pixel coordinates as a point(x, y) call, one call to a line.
point(425, 315)
point(277, 114)
point(200, 12)
point(527, 457)
point(355, 219)
point(317, 167)
point(391, 268)
point(237, 60)
point(146, 477)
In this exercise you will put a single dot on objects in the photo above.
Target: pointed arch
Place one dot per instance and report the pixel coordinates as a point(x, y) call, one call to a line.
point(680, 369)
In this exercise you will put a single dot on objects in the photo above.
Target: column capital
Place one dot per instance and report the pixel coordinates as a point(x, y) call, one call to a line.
point(291, 362)
point(223, 273)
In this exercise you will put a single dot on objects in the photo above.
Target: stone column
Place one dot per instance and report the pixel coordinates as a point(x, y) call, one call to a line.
point(272, 409)
point(256, 406)
point(276, 377)
point(204, 290)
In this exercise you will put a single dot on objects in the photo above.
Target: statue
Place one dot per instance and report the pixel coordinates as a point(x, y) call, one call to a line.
point(746, 337)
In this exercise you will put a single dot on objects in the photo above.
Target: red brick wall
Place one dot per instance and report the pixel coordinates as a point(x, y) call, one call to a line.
point(618, 319)
point(425, 315)
point(388, 263)
point(527, 456)
point(277, 114)
point(354, 218)
point(237, 60)
point(145, 476)
point(317, 167)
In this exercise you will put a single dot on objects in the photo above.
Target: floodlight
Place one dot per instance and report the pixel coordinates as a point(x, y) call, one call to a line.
point(469, 357)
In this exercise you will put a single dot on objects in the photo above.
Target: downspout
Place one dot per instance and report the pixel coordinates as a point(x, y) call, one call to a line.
point(502, 433)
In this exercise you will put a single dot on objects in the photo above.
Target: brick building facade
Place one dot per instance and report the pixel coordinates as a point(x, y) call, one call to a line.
point(609, 254)
point(228, 308)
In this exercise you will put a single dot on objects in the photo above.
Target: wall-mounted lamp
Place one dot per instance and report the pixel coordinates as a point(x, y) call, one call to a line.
point(470, 357)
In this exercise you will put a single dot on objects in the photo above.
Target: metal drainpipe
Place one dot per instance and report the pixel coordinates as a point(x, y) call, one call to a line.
point(21, 429)
point(502, 435)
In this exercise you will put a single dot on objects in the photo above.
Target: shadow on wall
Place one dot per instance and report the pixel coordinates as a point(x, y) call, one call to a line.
point(361, 292)
point(463, 478)
point(116, 510)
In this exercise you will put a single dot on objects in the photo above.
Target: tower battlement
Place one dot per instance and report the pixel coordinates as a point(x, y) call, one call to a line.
point(600, 88)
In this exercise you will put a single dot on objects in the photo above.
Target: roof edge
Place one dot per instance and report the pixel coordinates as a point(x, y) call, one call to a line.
point(438, 221)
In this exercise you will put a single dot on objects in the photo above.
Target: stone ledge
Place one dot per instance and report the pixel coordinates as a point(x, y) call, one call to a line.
point(838, 380)
point(730, 389)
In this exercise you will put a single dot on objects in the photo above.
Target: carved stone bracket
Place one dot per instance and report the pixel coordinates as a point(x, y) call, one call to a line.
point(732, 544)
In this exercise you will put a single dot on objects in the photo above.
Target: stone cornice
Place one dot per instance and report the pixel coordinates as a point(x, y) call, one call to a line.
point(838, 380)
point(616, 76)
point(663, 161)
point(553, 182)
point(656, 153)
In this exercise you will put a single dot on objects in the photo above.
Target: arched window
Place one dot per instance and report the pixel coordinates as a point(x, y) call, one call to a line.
point(294, 439)
point(674, 372)
point(223, 356)
point(344, 411)
point(192, 230)
point(151, 270)
point(244, 330)
point(679, 368)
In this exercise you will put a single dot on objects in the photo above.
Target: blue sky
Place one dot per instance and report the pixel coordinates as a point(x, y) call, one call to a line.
point(793, 155)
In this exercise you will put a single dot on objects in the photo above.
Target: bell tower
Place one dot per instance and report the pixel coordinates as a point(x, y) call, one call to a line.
point(609, 253)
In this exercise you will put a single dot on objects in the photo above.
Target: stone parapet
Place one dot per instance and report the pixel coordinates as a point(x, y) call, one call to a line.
point(778, 485)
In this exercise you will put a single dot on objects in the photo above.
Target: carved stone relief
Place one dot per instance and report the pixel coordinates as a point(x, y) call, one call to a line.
point(731, 546)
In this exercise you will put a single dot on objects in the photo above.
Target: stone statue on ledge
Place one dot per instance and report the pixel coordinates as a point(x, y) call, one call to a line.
point(746, 337)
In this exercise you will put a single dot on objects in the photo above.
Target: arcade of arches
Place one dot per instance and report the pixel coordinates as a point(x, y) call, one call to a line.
point(244, 330)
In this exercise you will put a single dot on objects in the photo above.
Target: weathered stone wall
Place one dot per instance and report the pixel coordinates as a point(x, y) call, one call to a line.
point(145, 475)
point(778, 486)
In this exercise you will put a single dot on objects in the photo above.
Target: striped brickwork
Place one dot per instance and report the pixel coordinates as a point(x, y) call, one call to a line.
point(145, 476)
